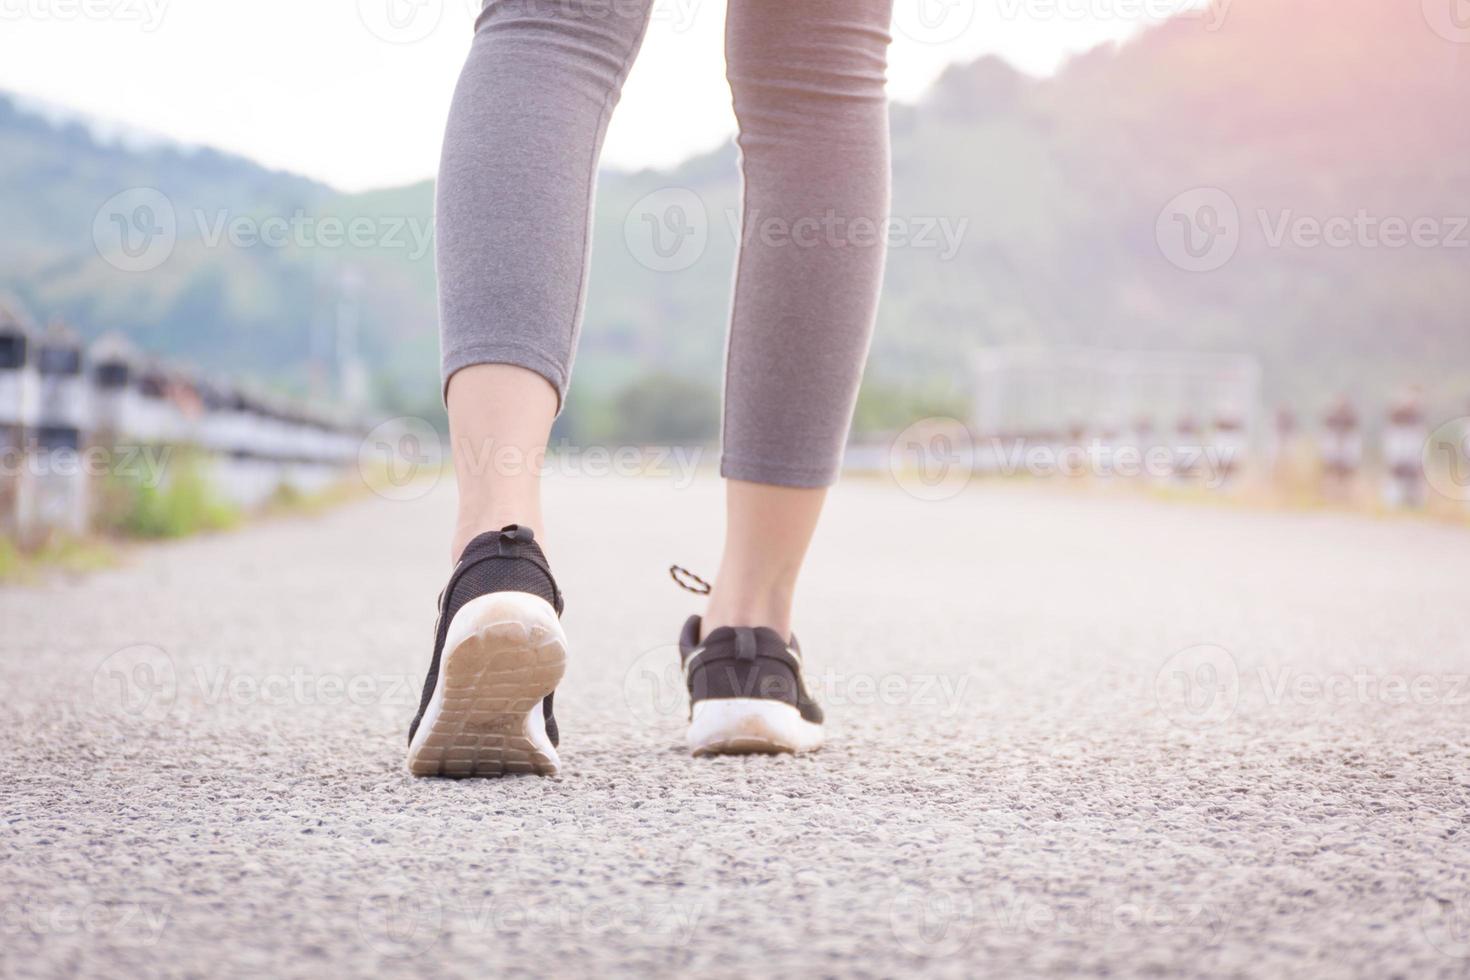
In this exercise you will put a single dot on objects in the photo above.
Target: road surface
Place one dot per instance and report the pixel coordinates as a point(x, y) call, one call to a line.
point(1069, 734)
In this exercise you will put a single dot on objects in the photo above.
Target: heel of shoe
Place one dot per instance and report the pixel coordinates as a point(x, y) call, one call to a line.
point(745, 726)
point(504, 653)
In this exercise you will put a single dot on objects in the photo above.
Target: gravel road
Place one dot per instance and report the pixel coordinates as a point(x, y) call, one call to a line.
point(1069, 734)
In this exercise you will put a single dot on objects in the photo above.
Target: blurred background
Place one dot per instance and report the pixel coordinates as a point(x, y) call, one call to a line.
point(1172, 683)
point(1203, 249)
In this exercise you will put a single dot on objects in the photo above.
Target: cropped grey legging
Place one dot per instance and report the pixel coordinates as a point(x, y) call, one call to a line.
point(516, 183)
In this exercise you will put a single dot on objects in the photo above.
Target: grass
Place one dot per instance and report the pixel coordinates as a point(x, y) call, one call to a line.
point(183, 505)
point(61, 553)
point(291, 501)
point(1295, 491)
point(127, 508)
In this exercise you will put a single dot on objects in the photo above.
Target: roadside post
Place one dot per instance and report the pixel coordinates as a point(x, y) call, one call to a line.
point(1403, 453)
point(1228, 442)
point(1186, 449)
point(1342, 450)
point(18, 393)
point(63, 418)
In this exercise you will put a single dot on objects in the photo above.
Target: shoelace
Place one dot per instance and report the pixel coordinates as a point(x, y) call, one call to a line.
point(745, 644)
point(680, 574)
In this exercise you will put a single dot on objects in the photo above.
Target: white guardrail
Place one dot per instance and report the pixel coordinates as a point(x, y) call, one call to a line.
point(73, 416)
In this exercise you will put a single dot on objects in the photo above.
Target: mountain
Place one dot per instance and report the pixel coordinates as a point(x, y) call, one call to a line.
point(1305, 114)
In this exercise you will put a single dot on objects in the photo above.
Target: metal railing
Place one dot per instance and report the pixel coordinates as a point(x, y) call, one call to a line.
point(76, 420)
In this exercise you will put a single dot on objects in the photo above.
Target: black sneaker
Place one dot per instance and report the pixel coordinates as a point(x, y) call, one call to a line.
point(746, 692)
point(499, 652)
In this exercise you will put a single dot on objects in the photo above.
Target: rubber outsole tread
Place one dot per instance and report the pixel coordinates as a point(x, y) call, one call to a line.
point(486, 716)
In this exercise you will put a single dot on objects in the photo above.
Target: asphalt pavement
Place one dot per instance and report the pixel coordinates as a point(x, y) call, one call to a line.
point(1069, 734)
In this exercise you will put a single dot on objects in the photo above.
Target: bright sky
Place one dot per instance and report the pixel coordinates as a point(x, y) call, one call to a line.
point(354, 92)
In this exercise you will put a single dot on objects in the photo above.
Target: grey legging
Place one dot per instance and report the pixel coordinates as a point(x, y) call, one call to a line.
point(516, 182)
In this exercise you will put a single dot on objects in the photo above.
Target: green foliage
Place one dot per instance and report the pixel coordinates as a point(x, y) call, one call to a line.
point(182, 505)
point(288, 500)
point(11, 562)
point(885, 408)
point(58, 552)
point(655, 409)
point(663, 409)
point(1049, 189)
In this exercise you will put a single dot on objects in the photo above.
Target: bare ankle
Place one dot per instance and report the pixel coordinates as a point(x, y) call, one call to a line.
point(771, 610)
point(499, 418)
point(469, 527)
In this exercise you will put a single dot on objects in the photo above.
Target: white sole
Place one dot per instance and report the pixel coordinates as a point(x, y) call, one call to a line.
point(503, 653)
point(746, 726)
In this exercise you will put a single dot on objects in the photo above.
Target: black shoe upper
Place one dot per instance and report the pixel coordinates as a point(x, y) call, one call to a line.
point(744, 662)
point(508, 560)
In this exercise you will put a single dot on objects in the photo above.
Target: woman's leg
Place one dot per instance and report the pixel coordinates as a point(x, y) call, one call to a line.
point(808, 84)
point(767, 530)
point(514, 202)
point(499, 418)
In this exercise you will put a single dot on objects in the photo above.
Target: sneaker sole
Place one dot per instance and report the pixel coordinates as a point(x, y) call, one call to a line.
point(750, 726)
point(503, 653)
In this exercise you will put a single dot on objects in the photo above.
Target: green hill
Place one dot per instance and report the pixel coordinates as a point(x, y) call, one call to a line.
point(1302, 112)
